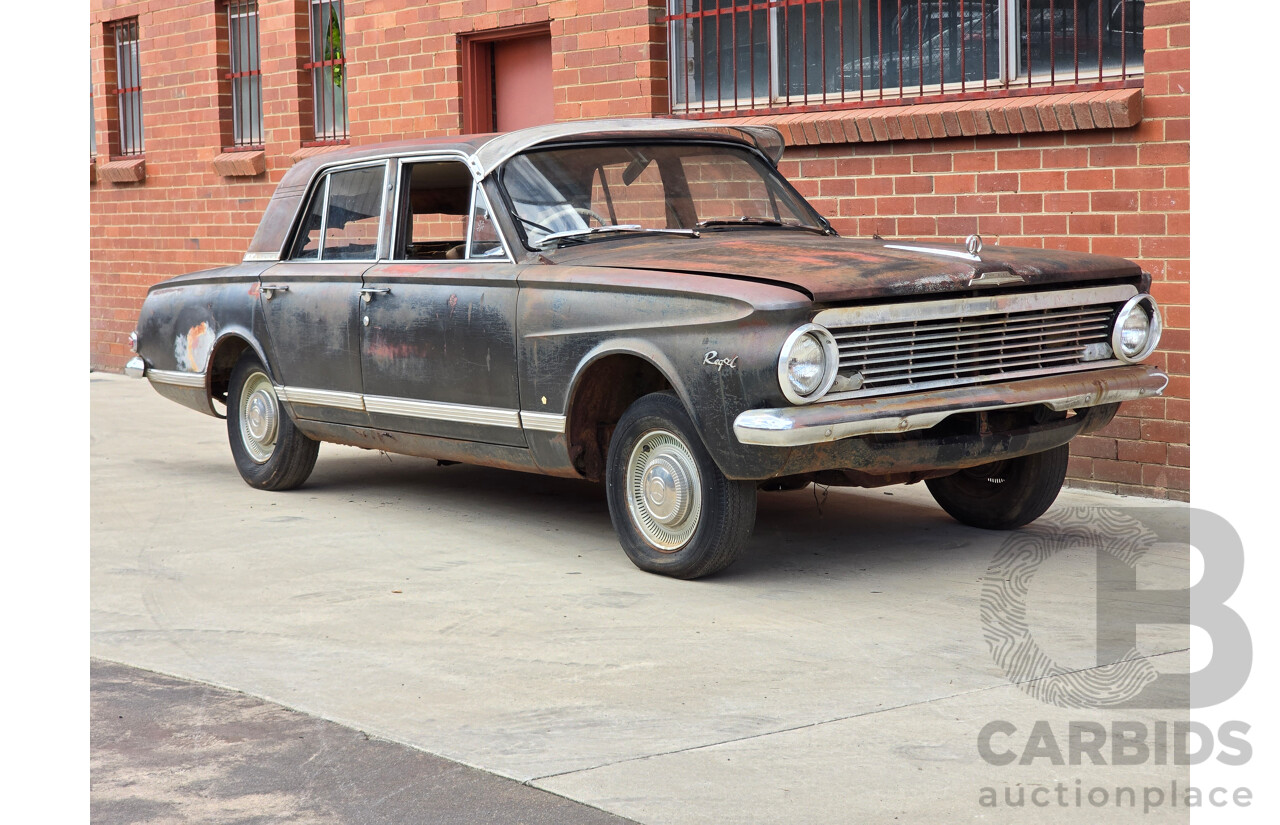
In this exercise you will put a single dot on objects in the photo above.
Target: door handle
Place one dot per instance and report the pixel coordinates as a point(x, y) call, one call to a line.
point(269, 290)
point(367, 293)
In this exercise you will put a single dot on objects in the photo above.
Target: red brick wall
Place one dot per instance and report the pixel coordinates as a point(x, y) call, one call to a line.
point(1115, 191)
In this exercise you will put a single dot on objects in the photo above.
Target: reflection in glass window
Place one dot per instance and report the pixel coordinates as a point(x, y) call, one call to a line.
point(328, 67)
point(128, 90)
point(729, 55)
point(307, 244)
point(353, 215)
point(434, 202)
point(245, 74)
point(485, 242)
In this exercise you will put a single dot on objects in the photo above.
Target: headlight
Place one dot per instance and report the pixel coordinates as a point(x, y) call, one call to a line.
point(807, 364)
point(1137, 329)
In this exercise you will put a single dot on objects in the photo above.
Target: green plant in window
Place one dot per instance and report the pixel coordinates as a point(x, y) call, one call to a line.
point(333, 47)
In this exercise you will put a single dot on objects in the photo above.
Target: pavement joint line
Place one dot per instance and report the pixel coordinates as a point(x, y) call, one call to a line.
point(821, 722)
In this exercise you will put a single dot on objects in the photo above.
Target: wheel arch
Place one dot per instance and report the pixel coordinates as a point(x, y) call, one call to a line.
point(227, 350)
point(606, 382)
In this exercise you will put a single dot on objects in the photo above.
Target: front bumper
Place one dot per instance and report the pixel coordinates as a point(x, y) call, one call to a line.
point(820, 423)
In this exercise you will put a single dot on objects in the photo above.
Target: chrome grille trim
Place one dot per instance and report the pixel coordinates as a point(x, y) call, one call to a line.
point(912, 347)
point(984, 343)
point(968, 307)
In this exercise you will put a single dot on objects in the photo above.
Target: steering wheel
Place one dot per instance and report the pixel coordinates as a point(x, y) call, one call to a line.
point(588, 214)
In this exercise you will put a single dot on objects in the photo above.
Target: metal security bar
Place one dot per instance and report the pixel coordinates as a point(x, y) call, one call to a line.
point(245, 74)
point(128, 90)
point(744, 56)
point(328, 70)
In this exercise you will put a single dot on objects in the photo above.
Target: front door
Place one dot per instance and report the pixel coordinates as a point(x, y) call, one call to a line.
point(311, 301)
point(438, 355)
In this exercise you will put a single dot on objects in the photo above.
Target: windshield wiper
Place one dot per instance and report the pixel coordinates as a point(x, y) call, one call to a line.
point(583, 234)
point(753, 220)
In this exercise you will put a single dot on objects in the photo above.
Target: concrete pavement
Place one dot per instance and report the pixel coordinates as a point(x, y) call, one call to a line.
point(167, 750)
point(836, 673)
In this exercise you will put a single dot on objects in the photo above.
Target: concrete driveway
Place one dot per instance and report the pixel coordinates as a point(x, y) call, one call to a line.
point(837, 673)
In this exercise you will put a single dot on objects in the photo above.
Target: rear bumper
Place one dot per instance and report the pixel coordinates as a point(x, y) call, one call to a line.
point(136, 368)
point(820, 423)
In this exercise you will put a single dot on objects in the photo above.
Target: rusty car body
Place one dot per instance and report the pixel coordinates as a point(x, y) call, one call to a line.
point(649, 304)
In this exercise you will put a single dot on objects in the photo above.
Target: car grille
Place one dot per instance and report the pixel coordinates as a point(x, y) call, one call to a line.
point(901, 355)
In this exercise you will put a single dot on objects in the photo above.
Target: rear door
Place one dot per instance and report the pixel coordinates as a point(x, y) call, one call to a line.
point(438, 355)
point(311, 301)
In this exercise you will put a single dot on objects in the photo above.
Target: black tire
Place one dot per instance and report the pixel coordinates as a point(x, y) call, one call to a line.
point(1003, 495)
point(280, 457)
point(708, 517)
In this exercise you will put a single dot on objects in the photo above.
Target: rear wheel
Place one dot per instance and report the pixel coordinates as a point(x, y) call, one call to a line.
point(269, 451)
point(674, 511)
point(1005, 494)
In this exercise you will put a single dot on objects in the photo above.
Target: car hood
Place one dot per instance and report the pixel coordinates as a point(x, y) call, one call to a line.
point(833, 269)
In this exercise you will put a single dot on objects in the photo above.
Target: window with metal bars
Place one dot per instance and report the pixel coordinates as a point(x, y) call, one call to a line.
point(245, 73)
point(328, 70)
point(745, 55)
point(128, 87)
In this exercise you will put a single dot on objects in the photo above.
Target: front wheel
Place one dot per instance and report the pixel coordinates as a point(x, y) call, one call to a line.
point(268, 450)
point(1003, 495)
point(674, 511)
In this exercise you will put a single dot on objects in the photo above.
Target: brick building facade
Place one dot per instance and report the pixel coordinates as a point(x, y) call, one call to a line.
point(177, 181)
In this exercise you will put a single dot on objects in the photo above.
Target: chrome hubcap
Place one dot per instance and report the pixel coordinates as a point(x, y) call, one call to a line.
point(259, 417)
point(665, 490)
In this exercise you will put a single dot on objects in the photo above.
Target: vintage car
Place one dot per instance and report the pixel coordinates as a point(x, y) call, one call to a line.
point(651, 305)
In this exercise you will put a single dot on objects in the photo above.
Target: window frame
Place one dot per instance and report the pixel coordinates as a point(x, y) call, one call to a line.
point(244, 10)
point(322, 178)
point(126, 87)
point(314, 64)
point(1009, 79)
point(781, 181)
point(477, 186)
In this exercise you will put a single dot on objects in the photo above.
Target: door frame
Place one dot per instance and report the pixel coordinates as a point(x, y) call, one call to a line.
point(477, 72)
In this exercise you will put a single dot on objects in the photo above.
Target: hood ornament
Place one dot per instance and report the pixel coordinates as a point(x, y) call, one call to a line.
point(973, 244)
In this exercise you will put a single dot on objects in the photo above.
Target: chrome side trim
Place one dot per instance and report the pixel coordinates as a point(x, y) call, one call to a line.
point(441, 411)
point(321, 398)
point(968, 307)
point(543, 422)
point(136, 368)
point(177, 379)
point(832, 421)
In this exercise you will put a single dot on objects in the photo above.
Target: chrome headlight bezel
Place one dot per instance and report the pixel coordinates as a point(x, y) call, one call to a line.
point(1138, 303)
point(830, 363)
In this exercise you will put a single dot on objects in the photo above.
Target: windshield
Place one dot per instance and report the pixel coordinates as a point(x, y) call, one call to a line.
point(579, 193)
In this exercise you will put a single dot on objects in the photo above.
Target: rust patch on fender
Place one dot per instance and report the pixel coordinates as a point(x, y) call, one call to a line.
point(191, 351)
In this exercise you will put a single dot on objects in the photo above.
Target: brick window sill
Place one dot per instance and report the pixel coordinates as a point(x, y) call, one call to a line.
point(240, 164)
point(132, 170)
point(308, 151)
point(1112, 109)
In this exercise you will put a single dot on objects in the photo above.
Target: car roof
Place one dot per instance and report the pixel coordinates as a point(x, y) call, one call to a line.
point(485, 153)
point(489, 151)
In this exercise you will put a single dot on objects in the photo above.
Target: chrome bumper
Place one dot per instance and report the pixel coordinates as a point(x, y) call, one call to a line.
point(792, 426)
point(136, 368)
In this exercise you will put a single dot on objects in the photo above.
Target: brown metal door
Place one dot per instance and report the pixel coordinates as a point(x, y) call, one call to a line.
point(522, 82)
